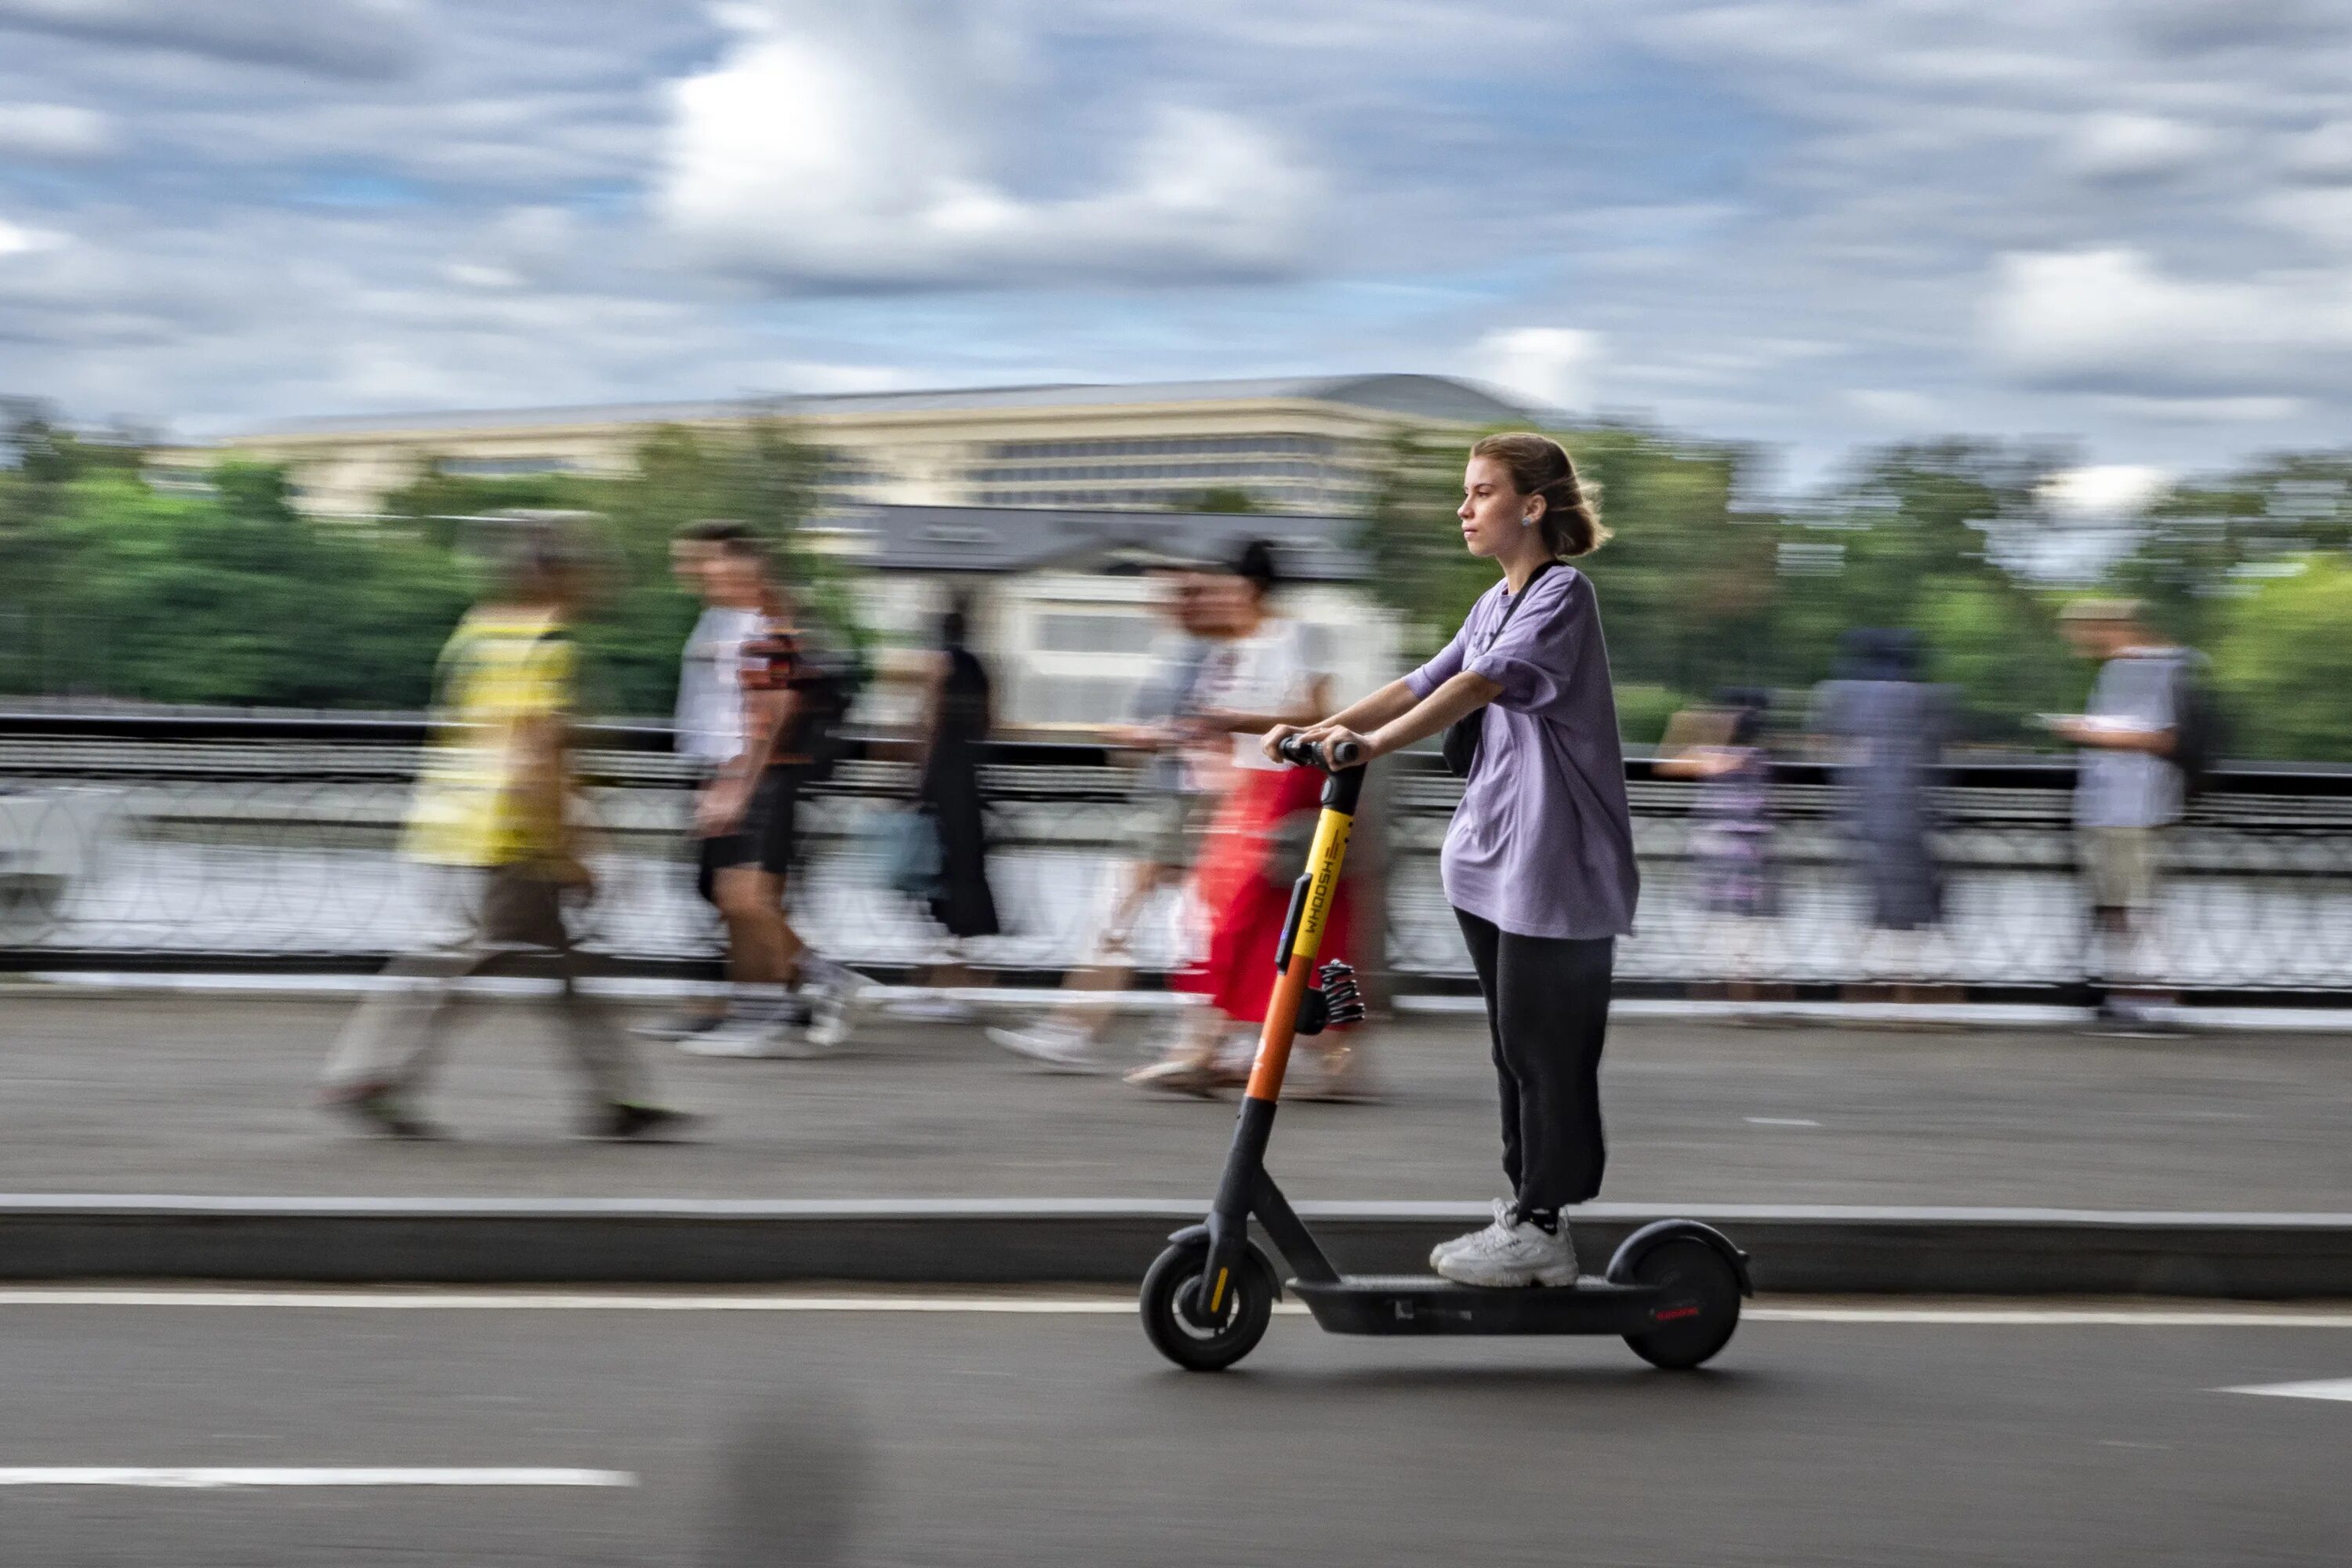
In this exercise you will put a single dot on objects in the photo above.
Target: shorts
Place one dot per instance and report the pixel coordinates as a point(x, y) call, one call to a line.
point(2119, 867)
point(1177, 821)
point(767, 836)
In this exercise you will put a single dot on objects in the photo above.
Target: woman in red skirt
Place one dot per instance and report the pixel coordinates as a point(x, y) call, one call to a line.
point(1265, 671)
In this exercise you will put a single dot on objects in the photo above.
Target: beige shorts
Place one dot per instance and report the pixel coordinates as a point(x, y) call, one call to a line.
point(2119, 867)
point(1179, 818)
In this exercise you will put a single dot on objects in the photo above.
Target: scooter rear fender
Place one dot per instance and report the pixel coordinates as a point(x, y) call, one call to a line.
point(1658, 1232)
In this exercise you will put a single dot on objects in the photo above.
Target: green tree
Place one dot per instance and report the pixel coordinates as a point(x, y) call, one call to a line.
point(232, 596)
point(1231, 499)
point(1909, 541)
point(2284, 661)
point(759, 474)
point(2199, 538)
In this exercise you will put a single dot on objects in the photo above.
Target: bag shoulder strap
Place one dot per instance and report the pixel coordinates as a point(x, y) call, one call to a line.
point(1516, 600)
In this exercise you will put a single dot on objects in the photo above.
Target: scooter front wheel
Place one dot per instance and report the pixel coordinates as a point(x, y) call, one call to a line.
point(1220, 1337)
point(1698, 1303)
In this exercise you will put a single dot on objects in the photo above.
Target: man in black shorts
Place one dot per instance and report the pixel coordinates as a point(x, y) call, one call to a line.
point(748, 817)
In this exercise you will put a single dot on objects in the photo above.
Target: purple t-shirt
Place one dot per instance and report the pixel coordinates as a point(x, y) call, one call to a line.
point(1542, 843)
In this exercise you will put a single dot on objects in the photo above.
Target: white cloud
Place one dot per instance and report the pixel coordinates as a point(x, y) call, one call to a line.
point(15, 239)
point(2096, 491)
point(333, 37)
point(820, 155)
point(1551, 366)
point(2208, 411)
point(2127, 147)
point(2324, 215)
point(819, 376)
point(481, 275)
point(58, 130)
point(1895, 407)
point(2111, 321)
point(2322, 155)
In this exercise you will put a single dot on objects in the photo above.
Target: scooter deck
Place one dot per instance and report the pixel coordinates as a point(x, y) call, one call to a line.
point(1425, 1304)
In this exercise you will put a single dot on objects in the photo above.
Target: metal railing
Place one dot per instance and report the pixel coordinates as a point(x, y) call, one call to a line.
point(143, 840)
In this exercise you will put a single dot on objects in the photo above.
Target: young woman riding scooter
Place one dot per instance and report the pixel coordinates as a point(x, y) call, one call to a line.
point(1539, 864)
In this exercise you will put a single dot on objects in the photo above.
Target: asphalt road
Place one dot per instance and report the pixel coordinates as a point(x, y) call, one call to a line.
point(199, 1095)
point(1051, 1437)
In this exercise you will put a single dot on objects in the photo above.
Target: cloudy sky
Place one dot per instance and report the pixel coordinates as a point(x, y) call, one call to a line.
point(1807, 223)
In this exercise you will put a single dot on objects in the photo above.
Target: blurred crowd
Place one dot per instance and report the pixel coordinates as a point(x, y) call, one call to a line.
point(761, 702)
point(2147, 743)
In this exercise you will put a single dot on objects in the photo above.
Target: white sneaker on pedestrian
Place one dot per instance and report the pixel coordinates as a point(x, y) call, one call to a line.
point(1502, 1222)
point(839, 991)
point(1523, 1252)
point(1064, 1048)
point(932, 1007)
point(747, 1039)
point(678, 1025)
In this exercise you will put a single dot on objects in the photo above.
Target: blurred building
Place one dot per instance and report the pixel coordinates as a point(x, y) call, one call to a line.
point(1063, 604)
point(1301, 444)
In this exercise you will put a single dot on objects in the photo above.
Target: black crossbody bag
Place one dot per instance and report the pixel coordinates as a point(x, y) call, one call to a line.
point(1462, 737)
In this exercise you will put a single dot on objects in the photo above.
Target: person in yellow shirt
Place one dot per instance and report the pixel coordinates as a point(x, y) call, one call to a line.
point(494, 805)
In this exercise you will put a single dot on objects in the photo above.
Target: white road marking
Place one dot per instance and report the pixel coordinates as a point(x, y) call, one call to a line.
point(565, 1301)
point(1795, 1311)
point(182, 1478)
point(1779, 1121)
point(2332, 1388)
point(2059, 1317)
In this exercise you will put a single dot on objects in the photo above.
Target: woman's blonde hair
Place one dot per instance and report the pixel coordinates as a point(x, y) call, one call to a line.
point(1539, 466)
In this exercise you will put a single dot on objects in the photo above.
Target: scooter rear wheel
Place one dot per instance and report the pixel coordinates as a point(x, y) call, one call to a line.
point(1236, 1328)
point(1701, 1293)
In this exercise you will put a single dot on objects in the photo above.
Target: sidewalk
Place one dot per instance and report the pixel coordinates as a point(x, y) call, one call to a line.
point(193, 1095)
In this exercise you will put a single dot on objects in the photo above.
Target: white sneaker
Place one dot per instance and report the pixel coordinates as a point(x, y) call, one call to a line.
point(838, 992)
point(931, 1008)
point(747, 1039)
point(1502, 1222)
point(1064, 1048)
point(1519, 1254)
point(678, 1025)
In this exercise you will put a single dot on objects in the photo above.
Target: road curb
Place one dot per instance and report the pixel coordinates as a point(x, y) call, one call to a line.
point(660, 1241)
point(2300, 1017)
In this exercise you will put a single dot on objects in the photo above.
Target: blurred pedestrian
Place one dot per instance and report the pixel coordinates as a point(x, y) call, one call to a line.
point(959, 712)
point(748, 816)
point(1271, 672)
point(1886, 730)
point(495, 804)
point(1172, 791)
point(2127, 792)
point(1539, 863)
point(1724, 749)
point(707, 725)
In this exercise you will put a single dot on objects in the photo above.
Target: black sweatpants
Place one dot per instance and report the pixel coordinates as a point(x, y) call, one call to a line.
point(1547, 1011)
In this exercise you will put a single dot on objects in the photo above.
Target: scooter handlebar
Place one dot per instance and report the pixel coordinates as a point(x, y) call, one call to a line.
point(1305, 753)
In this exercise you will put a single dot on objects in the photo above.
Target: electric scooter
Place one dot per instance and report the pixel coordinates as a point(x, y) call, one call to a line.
point(1673, 1289)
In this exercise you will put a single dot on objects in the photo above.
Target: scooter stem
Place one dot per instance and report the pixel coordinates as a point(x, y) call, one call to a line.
point(1302, 936)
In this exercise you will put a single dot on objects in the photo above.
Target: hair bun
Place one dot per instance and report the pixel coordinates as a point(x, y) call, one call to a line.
point(1539, 466)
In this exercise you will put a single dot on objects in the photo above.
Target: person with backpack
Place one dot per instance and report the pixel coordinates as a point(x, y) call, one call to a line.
point(707, 723)
point(747, 817)
point(2147, 731)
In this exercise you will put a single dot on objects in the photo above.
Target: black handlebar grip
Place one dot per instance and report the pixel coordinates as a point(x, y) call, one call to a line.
point(1297, 749)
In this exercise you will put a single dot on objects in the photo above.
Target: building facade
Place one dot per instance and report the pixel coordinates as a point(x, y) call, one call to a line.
point(1303, 445)
point(1062, 603)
